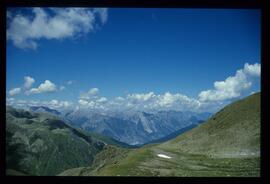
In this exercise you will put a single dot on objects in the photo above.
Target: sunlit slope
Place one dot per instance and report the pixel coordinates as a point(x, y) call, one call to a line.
point(42, 144)
point(228, 144)
point(232, 132)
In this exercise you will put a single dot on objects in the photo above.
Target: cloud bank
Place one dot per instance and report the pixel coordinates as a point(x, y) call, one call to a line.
point(208, 100)
point(91, 99)
point(52, 23)
point(54, 104)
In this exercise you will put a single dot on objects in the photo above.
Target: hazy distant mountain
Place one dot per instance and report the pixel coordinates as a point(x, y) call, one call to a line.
point(131, 127)
point(135, 127)
point(44, 109)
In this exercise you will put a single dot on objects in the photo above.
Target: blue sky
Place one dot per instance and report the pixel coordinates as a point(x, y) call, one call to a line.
point(133, 51)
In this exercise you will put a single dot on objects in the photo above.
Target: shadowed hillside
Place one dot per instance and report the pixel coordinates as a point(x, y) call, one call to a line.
point(41, 144)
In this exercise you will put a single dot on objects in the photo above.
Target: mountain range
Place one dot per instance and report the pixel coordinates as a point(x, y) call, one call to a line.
point(132, 127)
point(227, 144)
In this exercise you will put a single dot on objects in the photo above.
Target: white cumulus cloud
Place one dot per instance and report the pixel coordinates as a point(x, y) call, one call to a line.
point(55, 104)
point(252, 70)
point(91, 94)
point(92, 100)
point(24, 30)
point(151, 101)
point(141, 97)
point(102, 100)
point(83, 102)
point(28, 82)
point(47, 86)
point(233, 86)
point(14, 91)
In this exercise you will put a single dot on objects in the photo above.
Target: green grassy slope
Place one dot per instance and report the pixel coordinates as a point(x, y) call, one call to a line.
point(233, 131)
point(108, 156)
point(41, 144)
point(110, 140)
point(228, 144)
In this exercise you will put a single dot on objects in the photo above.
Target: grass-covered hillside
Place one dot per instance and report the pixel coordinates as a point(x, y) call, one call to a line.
point(232, 132)
point(42, 144)
point(228, 144)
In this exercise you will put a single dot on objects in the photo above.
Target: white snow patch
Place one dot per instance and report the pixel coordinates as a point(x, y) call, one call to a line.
point(163, 156)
